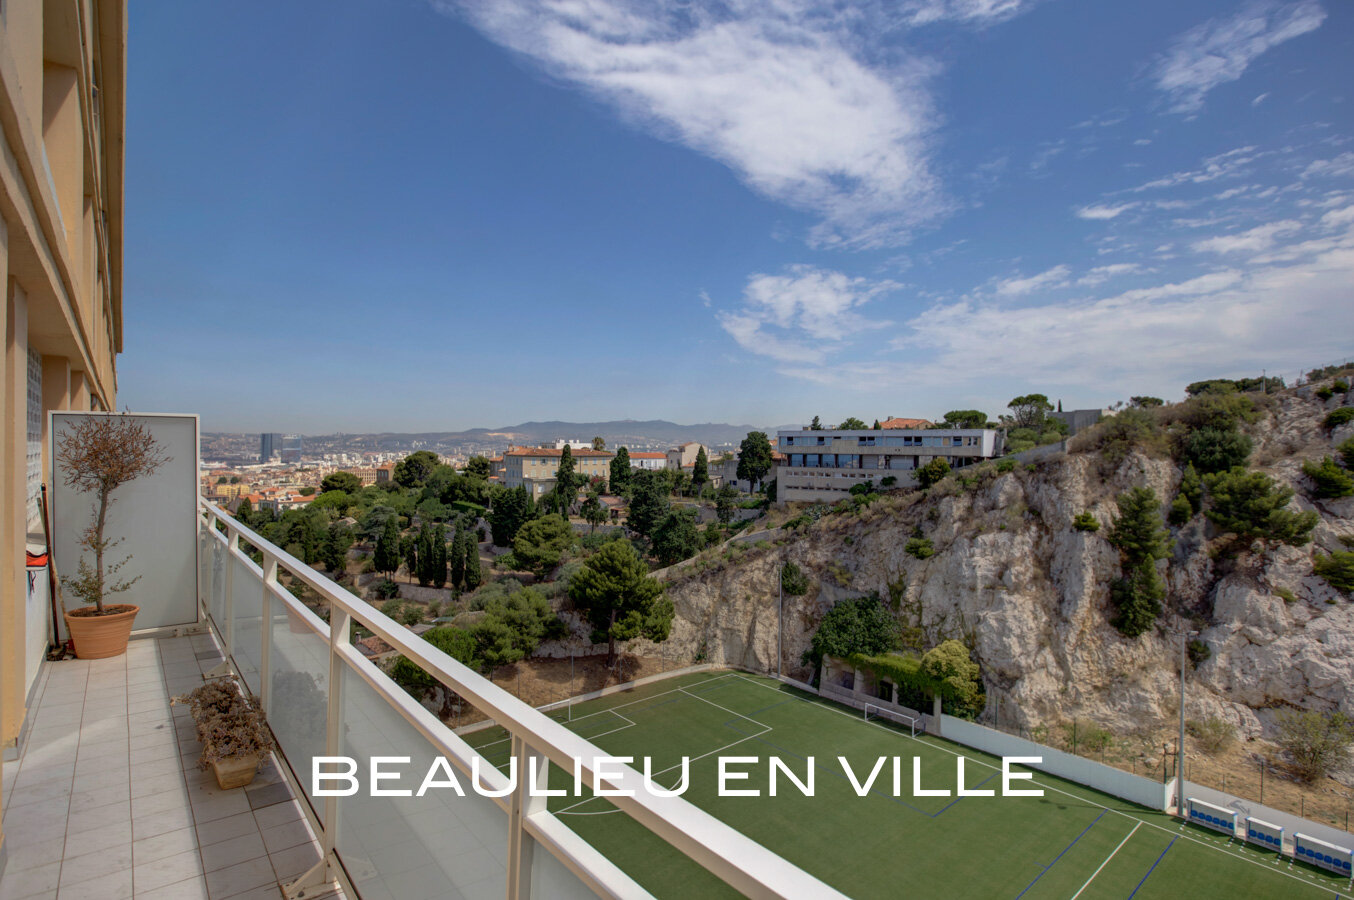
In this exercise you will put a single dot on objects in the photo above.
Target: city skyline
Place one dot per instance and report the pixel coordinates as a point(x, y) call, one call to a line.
point(435, 216)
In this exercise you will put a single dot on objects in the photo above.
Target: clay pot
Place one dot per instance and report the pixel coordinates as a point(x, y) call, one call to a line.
point(97, 637)
point(235, 771)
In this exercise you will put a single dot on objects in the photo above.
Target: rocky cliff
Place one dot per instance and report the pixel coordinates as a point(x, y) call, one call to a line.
point(1030, 594)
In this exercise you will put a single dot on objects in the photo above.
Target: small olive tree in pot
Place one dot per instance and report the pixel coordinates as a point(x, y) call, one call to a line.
point(98, 455)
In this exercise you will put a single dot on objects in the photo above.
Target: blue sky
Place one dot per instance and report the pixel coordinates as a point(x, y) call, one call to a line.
point(425, 216)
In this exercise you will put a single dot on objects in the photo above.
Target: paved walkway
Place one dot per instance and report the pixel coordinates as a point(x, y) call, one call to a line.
point(106, 801)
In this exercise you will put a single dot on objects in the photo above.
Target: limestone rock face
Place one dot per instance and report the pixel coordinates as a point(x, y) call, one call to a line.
point(1031, 595)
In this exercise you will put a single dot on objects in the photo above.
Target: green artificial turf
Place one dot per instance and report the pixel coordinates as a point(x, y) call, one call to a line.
point(1071, 840)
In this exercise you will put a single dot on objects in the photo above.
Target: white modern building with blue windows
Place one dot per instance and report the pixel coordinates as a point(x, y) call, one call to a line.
point(823, 466)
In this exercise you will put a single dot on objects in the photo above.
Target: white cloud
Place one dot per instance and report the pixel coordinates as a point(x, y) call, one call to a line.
point(1219, 50)
point(1260, 99)
point(1050, 278)
point(1327, 168)
point(1104, 211)
point(1142, 142)
point(1101, 274)
point(1223, 165)
point(1338, 217)
point(1255, 240)
point(803, 314)
point(794, 96)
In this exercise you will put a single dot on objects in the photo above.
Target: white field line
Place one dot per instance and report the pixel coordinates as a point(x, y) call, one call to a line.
point(1049, 787)
point(1106, 862)
point(610, 709)
point(765, 730)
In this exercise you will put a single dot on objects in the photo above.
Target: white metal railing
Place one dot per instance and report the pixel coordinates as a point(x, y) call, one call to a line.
point(323, 697)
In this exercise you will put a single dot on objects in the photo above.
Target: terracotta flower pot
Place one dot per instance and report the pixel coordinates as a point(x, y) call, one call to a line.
point(235, 771)
point(97, 637)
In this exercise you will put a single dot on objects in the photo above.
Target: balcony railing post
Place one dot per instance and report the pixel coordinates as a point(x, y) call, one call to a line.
point(524, 803)
point(340, 632)
point(266, 633)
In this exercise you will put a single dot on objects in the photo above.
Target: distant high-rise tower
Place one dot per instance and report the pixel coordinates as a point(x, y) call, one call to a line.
point(269, 446)
point(290, 448)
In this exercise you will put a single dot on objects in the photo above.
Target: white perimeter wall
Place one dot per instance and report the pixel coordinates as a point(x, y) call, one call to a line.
point(1107, 779)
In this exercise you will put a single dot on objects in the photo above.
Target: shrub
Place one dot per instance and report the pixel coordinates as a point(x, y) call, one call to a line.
point(1325, 392)
point(1287, 595)
point(1251, 505)
point(861, 625)
point(1317, 742)
point(889, 481)
point(1199, 652)
point(1337, 417)
point(1340, 386)
point(1086, 522)
point(1005, 465)
point(1083, 735)
point(1337, 569)
point(1192, 488)
point(1216, 450)
point(1346, 451)
point(1213, 734)
point(1119, 435)
point(793, 581)
point(921, 548)
point(1329, 480)
point(385, 589)
point(931, 473)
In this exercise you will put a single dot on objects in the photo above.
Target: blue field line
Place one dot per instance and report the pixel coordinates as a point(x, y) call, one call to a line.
point(1154, 865)
point(957, 799)
point(1060, 855)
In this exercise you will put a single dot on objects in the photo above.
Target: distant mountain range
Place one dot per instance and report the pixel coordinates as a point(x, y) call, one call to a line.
point(622, 433)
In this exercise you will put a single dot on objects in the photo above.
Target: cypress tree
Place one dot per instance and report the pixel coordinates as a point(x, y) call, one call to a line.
point(438, 568)
point(700, 472)
point(425, 555)
point(566, 482)
point(457, 558)
point(474, 575)
point(387, 556)
point(620, 471)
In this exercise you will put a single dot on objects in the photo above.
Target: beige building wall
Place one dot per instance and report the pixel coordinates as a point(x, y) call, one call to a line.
point(62, 114)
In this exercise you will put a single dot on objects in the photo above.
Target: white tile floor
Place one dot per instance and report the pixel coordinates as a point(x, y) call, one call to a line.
point(106, 801)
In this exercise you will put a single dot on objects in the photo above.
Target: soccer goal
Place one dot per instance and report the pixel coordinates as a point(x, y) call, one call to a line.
point(879, 712)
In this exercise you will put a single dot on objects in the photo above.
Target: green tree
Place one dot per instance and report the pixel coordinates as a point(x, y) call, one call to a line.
point(335, 552)
point(815, 425)
point(931, 473)
point(956, 676)
point(876, 426)
point(700, 472)
point(540, 544)
point(620, 601)
point(857, 625)
point(1139, 533)
point(1146, 402)
point(456, 643)
point(754, 457)
point(594, 513)
point(648, 501)
point(477, 467)
point(1029, 410)
point(676, 538)
point(474, 573)
point(1192, 488)
point(965, 418)
point(437, 570)
point(599, 443)
point(409, 553)
point(566, 482)
point(456, 558)
point(724, 503)
point(1216, 450)
point(1346, 451)
point(1329, 481)
point(341, 481)
point(1317, 742)
point(513, 509)
point(244, 513)
point(1253, 506)
point(387, 556)
point(414, 469)
point(338, 501)
point(1137, 599)
point(620, 471)
point(423, 557)
point(373, 521)
point(513, 627)
point(1337, 569)
point(851, 423)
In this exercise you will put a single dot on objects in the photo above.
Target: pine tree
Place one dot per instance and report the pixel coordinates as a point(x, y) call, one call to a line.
point(1142, 539)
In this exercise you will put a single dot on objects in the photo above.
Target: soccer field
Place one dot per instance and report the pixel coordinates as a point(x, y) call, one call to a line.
point(1071, 843)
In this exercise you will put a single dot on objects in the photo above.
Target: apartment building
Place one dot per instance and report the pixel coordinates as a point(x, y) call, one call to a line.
point(684, 457)
point(652, 462)
point(823, 466)
point(62, 80)
point(535, 467)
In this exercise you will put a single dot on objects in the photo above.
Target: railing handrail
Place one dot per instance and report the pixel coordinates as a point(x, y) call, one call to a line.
point(733, 857)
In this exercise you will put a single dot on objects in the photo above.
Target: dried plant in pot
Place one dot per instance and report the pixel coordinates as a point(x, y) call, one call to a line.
point(234, 738)
point(98, 455)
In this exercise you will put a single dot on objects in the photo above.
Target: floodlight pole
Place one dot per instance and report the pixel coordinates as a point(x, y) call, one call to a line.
point(780, 616)
point(1180, 757)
